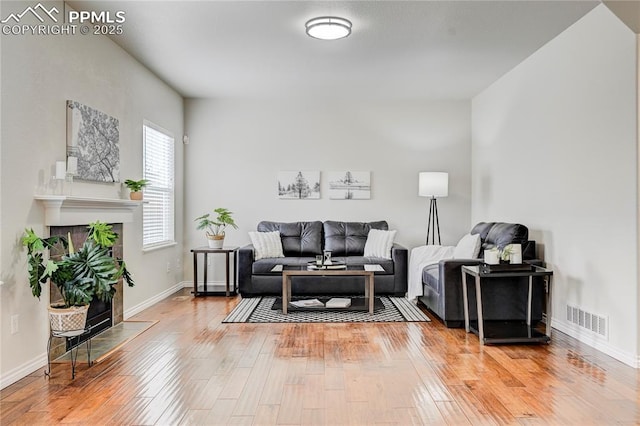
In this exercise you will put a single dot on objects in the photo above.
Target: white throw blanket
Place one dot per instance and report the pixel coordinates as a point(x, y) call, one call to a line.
point(422, 257)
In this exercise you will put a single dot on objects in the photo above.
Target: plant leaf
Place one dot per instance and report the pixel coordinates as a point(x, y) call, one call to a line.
point(102, 234)
point(49, 269)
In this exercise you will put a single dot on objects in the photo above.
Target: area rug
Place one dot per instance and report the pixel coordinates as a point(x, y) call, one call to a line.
point(258, 310)
point(105, 343)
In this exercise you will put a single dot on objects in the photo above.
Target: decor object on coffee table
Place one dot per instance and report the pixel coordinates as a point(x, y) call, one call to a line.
point(433, 185)
point(136, 186)
point(215, 228)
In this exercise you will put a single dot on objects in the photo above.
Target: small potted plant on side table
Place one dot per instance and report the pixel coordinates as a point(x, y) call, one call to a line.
point(215, 228)
point(135, 186)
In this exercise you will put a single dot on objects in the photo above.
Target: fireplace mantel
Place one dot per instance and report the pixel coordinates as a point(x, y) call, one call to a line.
point(64, 210)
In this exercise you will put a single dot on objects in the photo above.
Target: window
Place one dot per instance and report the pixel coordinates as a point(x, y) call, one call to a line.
point(157, 211)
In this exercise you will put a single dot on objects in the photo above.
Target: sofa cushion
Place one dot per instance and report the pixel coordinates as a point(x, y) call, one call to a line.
point(298, 238)
point(349, 238)
point(266, 244)
point(483, 229)
point(431, 277)
point(379, 243)
point(468, 247)
point(502, 234)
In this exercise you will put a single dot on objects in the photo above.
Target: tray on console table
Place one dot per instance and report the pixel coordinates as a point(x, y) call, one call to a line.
point(486, 268)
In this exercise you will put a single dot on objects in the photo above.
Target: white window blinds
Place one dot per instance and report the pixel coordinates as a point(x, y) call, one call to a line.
point(158, 209)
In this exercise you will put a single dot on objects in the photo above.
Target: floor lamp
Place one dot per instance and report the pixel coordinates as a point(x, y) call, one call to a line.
point(433, 185)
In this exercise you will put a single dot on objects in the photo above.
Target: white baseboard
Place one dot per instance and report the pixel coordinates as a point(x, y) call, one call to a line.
point(155, 299)
point(213, 285)
point(24, 370)
point(40, 361)
point(596, 342)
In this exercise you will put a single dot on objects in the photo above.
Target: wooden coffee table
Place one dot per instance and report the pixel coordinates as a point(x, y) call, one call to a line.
point(369, 289)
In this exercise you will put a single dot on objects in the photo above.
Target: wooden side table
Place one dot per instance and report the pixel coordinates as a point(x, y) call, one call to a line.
point(227, 251)
point(498, 332)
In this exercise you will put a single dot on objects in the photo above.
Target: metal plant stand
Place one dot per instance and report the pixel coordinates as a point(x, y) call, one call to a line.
point(73, 341)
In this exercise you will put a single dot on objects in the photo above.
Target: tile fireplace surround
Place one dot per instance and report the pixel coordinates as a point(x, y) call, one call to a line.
point(70, 214)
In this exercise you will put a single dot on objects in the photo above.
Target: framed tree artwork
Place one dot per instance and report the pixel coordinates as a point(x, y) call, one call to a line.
point(299, 185)
point(349, 185)
point(93, 138)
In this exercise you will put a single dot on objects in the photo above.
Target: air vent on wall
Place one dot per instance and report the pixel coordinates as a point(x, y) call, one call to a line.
point(587, 320)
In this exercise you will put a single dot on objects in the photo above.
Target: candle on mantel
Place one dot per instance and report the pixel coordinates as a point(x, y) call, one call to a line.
point(72, 165)
point(61, 170)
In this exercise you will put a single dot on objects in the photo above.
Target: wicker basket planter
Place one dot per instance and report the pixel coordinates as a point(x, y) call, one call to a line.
point(68, 319)
point(215, 241)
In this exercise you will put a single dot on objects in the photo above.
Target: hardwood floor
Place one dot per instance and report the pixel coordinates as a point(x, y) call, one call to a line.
point(192, 369)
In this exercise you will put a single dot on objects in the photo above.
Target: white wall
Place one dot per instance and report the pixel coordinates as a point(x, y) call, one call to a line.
point(638, 186)
point(238, 146)
point(39, 73)
point(555, 147)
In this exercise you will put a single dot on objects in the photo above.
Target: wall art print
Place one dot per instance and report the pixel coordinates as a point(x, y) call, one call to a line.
point(349, 185)
point(93, 137)
point(299, 185)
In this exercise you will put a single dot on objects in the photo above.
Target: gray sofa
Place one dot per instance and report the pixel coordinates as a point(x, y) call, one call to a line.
point(502, 300)
point(302, 241)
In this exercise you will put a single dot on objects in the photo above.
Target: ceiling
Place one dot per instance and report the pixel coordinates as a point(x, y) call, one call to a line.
point(397, 50)
point(628, 11)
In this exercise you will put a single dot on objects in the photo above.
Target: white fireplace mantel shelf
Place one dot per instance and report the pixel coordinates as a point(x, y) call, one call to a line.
point(65, 210)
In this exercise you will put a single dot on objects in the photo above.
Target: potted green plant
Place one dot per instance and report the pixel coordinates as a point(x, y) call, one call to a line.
point(215, 228)
point(505, 253)
point(135, 186)
point(79, 275)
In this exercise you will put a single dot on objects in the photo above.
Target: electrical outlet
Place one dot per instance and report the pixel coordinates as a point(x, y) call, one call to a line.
point(177, 263)
point(15, 325)
point(168, 267)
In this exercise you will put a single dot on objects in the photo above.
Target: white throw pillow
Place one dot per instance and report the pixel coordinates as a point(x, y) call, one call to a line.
point(266, 244)
point(379, 243)
point(468, 247)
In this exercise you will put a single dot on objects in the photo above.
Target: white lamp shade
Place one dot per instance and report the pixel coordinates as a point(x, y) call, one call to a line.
point(433, 184)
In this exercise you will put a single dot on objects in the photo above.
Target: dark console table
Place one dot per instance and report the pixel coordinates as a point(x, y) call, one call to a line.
point(496, 332)
point(227, 251)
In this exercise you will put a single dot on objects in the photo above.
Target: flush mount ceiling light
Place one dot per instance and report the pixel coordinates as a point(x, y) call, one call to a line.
point(328, 27)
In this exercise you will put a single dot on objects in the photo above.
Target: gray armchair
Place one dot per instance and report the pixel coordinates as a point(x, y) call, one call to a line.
point(442, 283)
